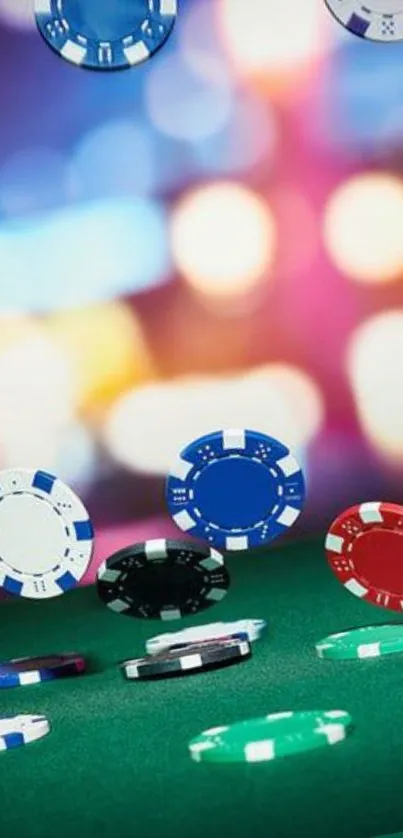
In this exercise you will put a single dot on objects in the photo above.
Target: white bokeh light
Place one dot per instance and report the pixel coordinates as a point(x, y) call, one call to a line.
point(373, 362)
point(363, 227)
point(146, 428)
point(184, 106)
point(223, 238)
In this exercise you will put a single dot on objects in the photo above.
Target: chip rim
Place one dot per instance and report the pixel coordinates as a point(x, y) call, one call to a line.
point(355, 15)
point(343, 645)
point(201, 558)
point(345, 532)
point(193, 634)
point(83, 52)
point(332, 727)
point(23, 729)
point(64, 665)
point(193, 658)
point(77, 528)
point(283, 470)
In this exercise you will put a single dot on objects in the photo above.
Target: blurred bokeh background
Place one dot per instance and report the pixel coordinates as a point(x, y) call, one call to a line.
point(212, 239)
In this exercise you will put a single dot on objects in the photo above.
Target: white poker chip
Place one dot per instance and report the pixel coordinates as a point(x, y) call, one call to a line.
point(212, 631)
point(46, 536)
point(16, 731)
point(376, 20)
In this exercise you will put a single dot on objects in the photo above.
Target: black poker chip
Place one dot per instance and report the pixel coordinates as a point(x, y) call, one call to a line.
point(188, 659)
point(162, 579)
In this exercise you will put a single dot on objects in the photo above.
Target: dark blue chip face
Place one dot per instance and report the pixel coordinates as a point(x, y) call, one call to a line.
point(105, 34)
point(235, 489)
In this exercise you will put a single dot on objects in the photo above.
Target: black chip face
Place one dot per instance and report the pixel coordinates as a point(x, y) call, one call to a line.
point(162, 579)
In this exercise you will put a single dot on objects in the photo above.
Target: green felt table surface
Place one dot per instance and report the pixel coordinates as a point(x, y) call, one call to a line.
point(116, 761)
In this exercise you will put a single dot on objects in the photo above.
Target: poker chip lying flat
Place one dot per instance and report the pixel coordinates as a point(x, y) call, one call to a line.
point(189, 659)
point(250, 630)
point(16, 731)
point(162, 579)
point(235, 489)
point(270, 737)
point(364, 548)
point(376, 20)
point(46, 537)
point(367, 642)
point(107, 35)
point(393, 835)
point(22, 672)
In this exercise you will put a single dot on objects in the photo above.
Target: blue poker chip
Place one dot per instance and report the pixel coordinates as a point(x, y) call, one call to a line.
point(235, 489)
point(105, 34)
point(22, 672)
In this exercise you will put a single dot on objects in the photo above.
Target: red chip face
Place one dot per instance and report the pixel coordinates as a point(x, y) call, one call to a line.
point(364, 547)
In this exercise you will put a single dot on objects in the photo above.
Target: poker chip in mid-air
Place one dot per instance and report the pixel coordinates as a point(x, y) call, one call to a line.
point(362, 643)
point(46, 537)
point(250, 630)
point(16, 731)
point(270, 737)
point(235, 489)
point(22, 672)
point(364, 548)
point(193, 658)
point(162, 579)
point(377, 20)
point(105, 34)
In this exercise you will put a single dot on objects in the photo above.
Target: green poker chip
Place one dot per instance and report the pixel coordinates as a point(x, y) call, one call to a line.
point(394, 835)
point(366, 642)
point(271, 737)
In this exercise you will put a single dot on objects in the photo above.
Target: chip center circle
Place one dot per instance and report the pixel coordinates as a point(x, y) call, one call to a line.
point(118, 18)
point(32, 534)
point(163, 583)
point(235, 488)
point(378, 559)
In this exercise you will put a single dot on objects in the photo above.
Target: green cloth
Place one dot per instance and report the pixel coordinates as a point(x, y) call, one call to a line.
point(116, 763)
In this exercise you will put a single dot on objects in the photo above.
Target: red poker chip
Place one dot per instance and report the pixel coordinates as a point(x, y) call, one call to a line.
point(364, 548)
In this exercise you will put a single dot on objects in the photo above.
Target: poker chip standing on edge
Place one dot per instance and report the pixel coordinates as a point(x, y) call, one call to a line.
point(250, 630)
point(192, 658)
point(46, 536)
point(364, 548)
point(22, 672)
point(235, 489)
point(16, 731)
point(362, 643)
point(271, 737)
point(162, 579)
point(107, 35)
point(375, 20)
